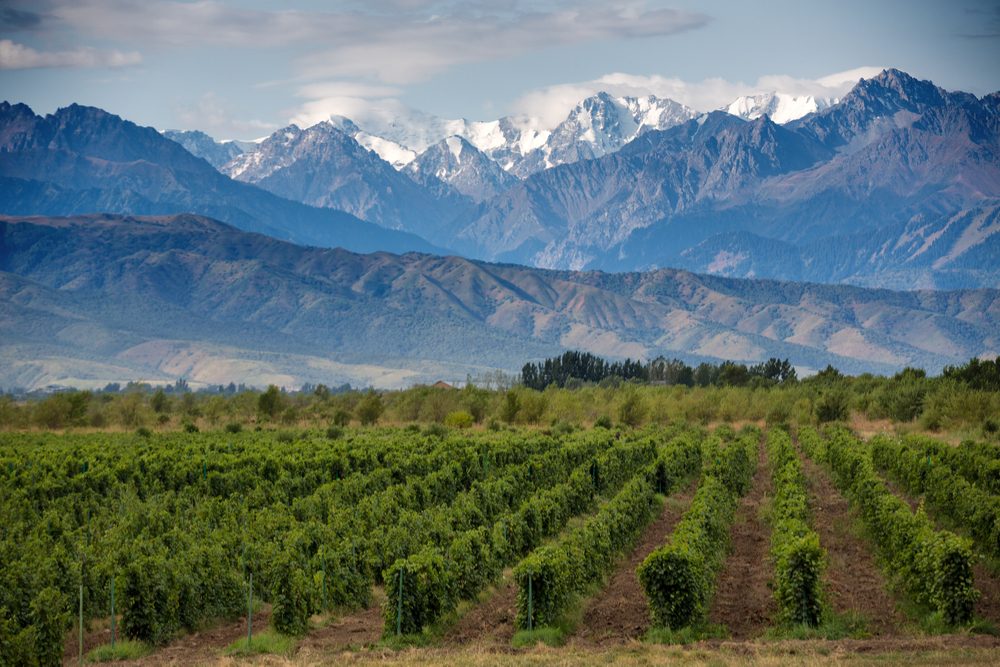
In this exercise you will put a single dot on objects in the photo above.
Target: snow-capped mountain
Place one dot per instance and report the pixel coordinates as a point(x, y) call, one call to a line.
point(781, 107)
point(325, 166)
point(462, 166)
point(598, 125)
point(602, 124)
point(400, 136)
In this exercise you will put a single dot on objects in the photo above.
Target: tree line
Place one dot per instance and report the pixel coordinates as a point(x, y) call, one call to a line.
point(574, 368)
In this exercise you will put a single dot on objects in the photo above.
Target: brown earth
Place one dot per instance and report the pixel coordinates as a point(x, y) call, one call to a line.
point(620, 612)
point(350, 631)
point(744, 602)
point(490, 622)
point(190, 649)
point(852, 581)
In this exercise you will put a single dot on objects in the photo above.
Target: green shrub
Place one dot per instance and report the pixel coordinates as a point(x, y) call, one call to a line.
point(833, 406)
point(150, 601)
point(291, 605)
point(459, 419)
point(795, 548)
point(50, 618)
point(679, 578)
point(427, 588)
point(341, 418)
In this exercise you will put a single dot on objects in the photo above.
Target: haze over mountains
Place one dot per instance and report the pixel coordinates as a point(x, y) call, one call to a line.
point(896, 185)
point(91, 298)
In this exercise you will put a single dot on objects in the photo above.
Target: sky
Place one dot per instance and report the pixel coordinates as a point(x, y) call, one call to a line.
point(243, 69)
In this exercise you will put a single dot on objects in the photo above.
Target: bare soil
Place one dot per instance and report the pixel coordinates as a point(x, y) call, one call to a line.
point(490, 622)
point(744, 602)
point(193, 648)
point(350, 631)
point(620, 612)
point(853, 581)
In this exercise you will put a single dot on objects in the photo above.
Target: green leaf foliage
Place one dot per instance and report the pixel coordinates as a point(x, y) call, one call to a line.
point(935, 567)
point(679, 578)
point(795, 548)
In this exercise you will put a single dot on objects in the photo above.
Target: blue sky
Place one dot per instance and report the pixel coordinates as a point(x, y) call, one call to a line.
point(242, 69)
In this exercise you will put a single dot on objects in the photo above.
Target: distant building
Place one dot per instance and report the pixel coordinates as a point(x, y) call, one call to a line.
point(441, 384)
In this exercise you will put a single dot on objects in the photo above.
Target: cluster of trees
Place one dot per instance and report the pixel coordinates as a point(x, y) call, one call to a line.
point(581, 367)
point(574, 368)
point(977, 373)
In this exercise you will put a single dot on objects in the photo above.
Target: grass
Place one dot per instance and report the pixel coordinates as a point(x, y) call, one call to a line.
point(686, 635)
point(644, 655)
point(266, 642)
point(122, 650)
point(550, 636)
point(834, 626)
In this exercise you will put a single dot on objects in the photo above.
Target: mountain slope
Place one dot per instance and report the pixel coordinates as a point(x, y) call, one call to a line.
point(82, 159)
point(109, 297)
point(463, 167)
point(199, 144)
point(895, 150)
point(325, 166)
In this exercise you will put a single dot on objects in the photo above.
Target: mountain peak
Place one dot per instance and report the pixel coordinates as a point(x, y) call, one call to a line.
point(893, 88)
point(781, 107)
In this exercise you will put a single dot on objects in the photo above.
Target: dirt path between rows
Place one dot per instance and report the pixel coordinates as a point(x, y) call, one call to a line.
point(620, 612)
point(985, 581)
point(204, 646)
point(350, 631)
point(490, 622)
point(852, 580)
point(744, 602)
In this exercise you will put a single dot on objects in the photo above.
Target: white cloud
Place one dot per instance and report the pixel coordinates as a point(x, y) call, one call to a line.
point(211, 114)
point(19, 56)
point(407, 51)
point(551, 104)
point(392, 41)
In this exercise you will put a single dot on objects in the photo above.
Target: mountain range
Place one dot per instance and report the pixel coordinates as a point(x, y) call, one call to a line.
point(83, 159)
point(878, 188)
point(126, 252)
point(90, 299)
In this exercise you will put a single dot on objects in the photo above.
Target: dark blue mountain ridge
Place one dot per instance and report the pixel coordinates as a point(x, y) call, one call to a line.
point(83, 159)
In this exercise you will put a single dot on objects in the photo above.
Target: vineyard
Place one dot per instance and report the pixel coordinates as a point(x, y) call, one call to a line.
point(372, 539)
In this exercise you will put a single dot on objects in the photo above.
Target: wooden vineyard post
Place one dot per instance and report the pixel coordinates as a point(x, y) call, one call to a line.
point(112, 612)
point(531, 610)
point(399, 605)
point(324, 583)
point(250, 613)
point(81, 624)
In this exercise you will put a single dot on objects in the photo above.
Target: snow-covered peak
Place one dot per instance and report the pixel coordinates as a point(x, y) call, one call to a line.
point(455, 147)
point(601, 124)
point(456, 162)
point(780, 107)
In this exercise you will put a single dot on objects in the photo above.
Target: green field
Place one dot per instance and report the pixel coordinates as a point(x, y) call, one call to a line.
point(454, 544)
